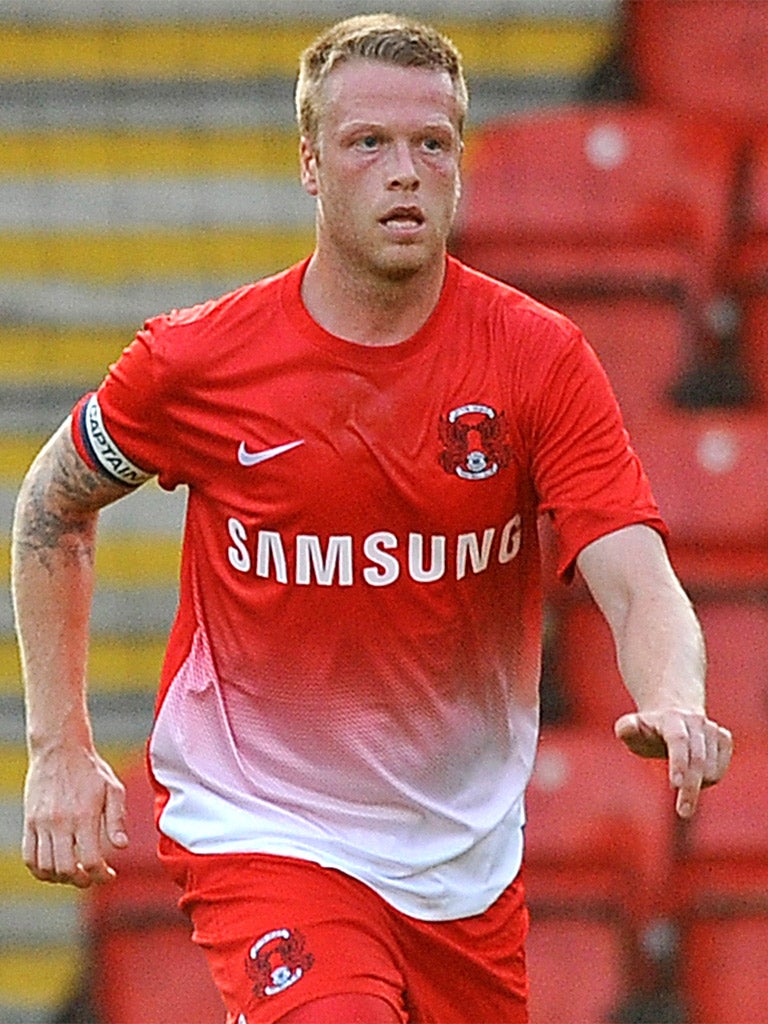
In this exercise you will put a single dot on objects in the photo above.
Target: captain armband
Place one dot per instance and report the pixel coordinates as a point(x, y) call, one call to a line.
point(102, 450)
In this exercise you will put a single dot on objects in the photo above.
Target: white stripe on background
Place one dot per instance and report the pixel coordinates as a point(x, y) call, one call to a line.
point(73, 303)
point(322, 10)
point(151, 202)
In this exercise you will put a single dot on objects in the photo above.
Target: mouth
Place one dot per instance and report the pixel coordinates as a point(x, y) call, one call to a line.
point(403, 218)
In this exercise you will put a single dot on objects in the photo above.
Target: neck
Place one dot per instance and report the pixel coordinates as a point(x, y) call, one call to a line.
point(369, 309)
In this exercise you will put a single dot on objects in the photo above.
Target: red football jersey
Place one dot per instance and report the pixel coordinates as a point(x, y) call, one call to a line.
point(352, 676)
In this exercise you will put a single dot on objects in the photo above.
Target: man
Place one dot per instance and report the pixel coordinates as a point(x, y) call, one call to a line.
point(348, 708)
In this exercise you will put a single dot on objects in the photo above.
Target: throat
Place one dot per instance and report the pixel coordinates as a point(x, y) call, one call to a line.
point(367, 311)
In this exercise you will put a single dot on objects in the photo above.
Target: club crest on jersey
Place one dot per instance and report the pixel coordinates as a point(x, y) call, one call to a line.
point(475, 441)
point(276, 961)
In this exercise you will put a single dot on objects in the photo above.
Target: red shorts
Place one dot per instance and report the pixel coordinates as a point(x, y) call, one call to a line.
point(281, 932)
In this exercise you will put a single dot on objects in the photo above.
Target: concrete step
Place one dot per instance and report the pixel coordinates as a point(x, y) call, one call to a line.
point(58, 299)
point(34, 408)
point(134, 612)
point(149, 204)
point(254, 48)
point(161, 11)
point(215, 106)
point(118, 718)
point(41, 105)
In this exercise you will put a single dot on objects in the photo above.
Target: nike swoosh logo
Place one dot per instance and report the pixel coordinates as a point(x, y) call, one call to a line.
point(246, 458)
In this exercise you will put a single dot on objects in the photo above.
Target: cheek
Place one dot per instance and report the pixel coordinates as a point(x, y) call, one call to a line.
point(446, 179)
point(340, 180)
point(448, 188)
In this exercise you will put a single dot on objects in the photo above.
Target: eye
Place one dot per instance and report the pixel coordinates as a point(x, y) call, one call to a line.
point(368, 142)
point(433, 145)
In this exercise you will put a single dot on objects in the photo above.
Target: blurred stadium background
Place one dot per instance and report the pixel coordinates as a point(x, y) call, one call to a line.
point(148, 159)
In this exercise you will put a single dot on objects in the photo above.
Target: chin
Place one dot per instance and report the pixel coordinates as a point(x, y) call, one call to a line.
point(403, 265)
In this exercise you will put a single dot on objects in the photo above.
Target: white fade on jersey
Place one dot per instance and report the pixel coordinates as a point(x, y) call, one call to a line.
point(387, 556)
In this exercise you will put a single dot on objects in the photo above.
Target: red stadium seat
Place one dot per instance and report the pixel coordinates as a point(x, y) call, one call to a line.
point(598, 850)
point(598, 817)
point(753, 290)
point(736, 630)
point(643, 343)
point(723, 863)
point(150, 971)
point(723, 970)
point(597, 198)
point(703, 58)
point(722, 882)
point(749, 270)
point(561, 954)
point(586, 665)
point(138, 938)
point(709, 473)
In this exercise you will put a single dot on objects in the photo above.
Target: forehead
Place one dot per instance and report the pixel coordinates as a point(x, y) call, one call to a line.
point(376, 92)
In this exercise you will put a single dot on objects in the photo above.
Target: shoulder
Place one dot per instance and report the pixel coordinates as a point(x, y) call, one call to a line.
point(500, 304)
point(200, 334)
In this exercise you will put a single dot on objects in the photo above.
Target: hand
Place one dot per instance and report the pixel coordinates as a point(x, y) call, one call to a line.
point(74, 816)
point(699, 750)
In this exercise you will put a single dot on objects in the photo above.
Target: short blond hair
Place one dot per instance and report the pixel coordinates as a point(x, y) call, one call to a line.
point(384, 37)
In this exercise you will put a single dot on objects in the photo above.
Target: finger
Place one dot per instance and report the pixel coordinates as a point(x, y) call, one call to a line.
point(89, 847)
point(96, 873)
point(65, 866)
point(114, 816)
point(724, 745)
point(29, 849)
point(712, 761)
point(724, 750)
point(675, 735)
point(91, 863)
point(688, 792)
point(43, 866)
point(92, 859)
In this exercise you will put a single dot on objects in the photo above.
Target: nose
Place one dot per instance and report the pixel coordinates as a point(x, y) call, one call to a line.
point(401, 172)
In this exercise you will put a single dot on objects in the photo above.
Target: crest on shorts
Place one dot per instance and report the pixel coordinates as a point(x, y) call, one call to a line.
point(276, 961)
point(475, 441)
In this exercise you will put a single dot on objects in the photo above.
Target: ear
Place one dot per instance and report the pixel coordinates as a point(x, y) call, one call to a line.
point(308, 163)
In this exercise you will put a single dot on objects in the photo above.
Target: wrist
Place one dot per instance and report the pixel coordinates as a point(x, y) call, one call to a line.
point(65, 738)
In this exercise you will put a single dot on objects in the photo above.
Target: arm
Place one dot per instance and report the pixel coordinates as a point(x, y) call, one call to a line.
point(661, 657)
point(73, 802)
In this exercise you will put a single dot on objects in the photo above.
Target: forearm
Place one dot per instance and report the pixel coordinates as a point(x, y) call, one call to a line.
point(52, 584)
point(659, 643)
point(660, 648)
point(73, 802)
point(52, 581)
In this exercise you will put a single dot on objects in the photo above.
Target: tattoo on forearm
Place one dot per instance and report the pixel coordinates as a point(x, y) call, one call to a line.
point(58, 506)
point(42, 530)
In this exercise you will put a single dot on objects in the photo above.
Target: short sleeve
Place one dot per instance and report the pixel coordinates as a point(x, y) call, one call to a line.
point(587, 476)
point(122, 428)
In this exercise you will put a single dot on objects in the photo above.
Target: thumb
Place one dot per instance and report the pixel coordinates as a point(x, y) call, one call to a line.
point(627, 725)
point(640, 735)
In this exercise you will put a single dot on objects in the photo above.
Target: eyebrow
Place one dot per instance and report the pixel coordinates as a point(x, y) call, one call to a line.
point(429, 126)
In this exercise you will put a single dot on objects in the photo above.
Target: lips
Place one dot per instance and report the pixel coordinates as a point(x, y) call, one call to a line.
point(403, 216)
